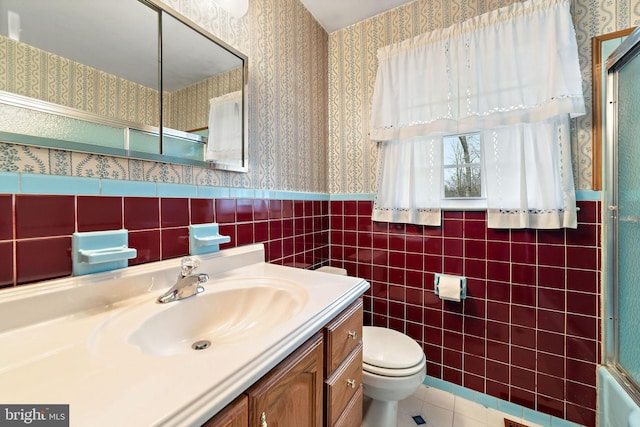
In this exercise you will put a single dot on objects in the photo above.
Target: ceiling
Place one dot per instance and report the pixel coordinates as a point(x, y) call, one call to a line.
point(334, 15)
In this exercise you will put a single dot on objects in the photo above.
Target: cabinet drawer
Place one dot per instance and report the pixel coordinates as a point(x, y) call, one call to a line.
point(352, 415)
point(343, 385)
point(343, 334)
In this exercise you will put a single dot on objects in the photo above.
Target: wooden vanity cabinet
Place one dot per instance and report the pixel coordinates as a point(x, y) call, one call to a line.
point(291, 393)
point(343, 368)
point(235, 414)
point(319, 384)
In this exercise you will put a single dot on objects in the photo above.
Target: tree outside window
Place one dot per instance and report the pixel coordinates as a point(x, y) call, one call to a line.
point(462, 168)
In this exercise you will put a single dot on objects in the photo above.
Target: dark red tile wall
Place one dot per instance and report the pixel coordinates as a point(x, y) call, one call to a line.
point(529, 330)
point(35, 230)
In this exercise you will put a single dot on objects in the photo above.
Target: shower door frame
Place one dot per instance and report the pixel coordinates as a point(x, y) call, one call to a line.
point(627, 51)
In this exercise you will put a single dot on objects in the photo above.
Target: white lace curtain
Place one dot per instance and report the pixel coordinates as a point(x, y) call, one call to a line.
point(420, 171)
point(511, 74)
point(225, 127)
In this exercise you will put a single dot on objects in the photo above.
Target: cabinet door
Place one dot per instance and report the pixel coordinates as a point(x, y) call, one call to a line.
point(290, 395)
point(236, 414)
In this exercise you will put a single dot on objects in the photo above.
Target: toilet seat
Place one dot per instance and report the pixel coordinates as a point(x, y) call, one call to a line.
point(386, 372)
point(390, 353)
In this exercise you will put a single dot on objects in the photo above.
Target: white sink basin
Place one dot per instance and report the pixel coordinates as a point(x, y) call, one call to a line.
point(105, 334)
point(229, 311)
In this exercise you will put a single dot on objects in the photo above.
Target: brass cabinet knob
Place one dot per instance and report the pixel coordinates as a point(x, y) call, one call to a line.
point(353, 335)
point(263, 420)
point(351, 383)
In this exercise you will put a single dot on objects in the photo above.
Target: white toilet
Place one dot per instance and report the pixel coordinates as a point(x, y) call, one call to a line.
point(393, 367)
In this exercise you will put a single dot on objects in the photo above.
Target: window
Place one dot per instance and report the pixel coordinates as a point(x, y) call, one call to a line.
point(462, 182)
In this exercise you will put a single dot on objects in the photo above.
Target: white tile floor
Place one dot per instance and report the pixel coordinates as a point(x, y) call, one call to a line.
point(442, 409)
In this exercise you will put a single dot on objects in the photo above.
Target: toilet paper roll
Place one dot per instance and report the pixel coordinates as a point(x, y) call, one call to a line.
point(449, 288)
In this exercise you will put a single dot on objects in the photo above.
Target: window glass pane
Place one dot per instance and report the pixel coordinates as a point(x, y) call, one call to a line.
point(462, 182)
point(462, 149)
point(462, 171)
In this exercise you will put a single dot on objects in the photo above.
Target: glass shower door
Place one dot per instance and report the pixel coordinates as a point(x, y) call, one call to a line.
point(623, 231)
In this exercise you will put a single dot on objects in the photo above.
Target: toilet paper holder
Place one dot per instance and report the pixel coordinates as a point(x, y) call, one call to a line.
point(463, 284)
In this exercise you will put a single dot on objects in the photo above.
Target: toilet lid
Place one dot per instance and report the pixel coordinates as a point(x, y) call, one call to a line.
point(386, 348)
point(385, 372)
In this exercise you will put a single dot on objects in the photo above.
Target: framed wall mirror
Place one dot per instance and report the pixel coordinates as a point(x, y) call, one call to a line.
point(128, 78)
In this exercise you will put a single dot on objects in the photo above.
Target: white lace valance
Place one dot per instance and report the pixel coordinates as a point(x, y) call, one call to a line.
point(517, 64)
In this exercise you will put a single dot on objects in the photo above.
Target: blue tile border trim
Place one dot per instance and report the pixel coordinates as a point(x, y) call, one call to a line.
point(128, 188)
point(176, 190)
point(24, 183)
point(213, 193)
point(492, 402)
point(241, 193)
point(588, 195)
point(58, 184)
point(354, 196)
point(581, 195)
point(9, 182)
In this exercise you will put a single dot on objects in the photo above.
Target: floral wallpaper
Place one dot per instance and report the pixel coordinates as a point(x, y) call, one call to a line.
point(26, 70)
point(184, 114)
point(352, 68)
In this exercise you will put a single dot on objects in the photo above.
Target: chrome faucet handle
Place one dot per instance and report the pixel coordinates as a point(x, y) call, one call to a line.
point(188, 265)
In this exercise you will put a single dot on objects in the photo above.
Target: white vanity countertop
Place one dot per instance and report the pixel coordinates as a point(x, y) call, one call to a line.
point(55, 350)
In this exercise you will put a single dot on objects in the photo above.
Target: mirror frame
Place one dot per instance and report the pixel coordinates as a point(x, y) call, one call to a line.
point(44, 107)
point(597, 91)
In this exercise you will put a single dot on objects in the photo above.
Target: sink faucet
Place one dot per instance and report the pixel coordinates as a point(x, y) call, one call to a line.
point(188, 284)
